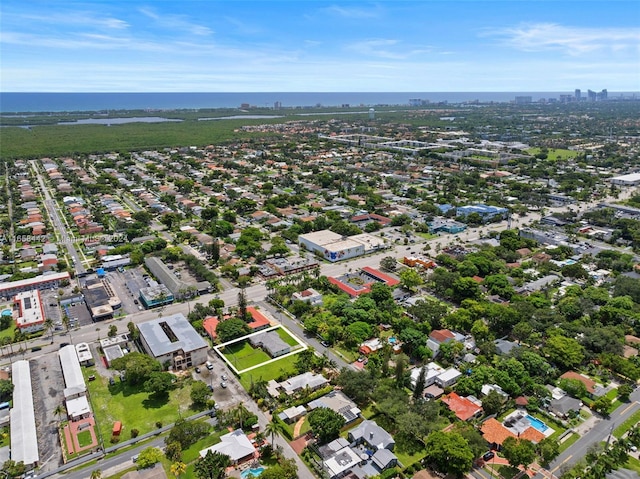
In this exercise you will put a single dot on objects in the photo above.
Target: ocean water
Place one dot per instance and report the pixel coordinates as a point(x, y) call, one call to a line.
point(57, 102)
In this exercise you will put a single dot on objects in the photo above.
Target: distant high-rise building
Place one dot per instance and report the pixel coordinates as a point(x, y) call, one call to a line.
point(372, 114)
point(603, 95)
point(521, 100)
point(277, 105)
point(578, 94)
point(591, 95)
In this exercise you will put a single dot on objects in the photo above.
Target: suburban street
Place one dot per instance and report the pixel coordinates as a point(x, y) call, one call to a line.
point(599, 433)
point(59, 226)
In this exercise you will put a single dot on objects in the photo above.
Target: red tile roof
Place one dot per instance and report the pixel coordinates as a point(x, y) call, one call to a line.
point(259, 319)
point(441, 335)
point(588, 383)
point(494, 432)
point(463, 408)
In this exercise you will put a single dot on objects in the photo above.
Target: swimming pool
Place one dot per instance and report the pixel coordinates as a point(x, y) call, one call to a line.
point(253, 471)
point(537, 424)
point(392, 340)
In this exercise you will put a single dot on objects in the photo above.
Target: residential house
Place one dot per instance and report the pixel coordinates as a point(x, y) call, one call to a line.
point(311, 296)
point(465, 408)
point(564, 406)
point(448, 378)
point(369, 433)
point(337, 401)
point(271, 343)
point(236, 445)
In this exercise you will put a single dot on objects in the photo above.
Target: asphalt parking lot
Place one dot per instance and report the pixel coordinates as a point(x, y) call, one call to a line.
point(47, 384)
point(225, 398)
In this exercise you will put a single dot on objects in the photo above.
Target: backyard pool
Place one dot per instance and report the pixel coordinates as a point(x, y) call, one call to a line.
point(537, 423)
point(255, 472)
point(392, 340)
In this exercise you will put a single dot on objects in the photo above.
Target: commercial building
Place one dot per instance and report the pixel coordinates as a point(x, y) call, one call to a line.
point(100, 299)
point(180, 289)
point(486, 212)
point(24, 438)
point(334, 247)
point(72, 373)
point(28, 311)
point(156, 295)
point(632, 179)
point(360, 282)
point(172, 339)
point(42, 282)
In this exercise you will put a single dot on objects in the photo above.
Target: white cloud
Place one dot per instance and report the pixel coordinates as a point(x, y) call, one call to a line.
point(176, 22)
point(79, 19)
point(570, 40)
point(353, 12)
point(391, 49)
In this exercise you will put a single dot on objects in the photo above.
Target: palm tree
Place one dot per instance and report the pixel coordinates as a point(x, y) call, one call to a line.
point(241, 412)
point(273, 428)
point(48, 325)
point(67, 324)
point(178, 468)
point(96, 474)
point(59, 411)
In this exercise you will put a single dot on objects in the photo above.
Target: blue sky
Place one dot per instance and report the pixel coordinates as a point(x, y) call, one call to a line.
point(307, 46)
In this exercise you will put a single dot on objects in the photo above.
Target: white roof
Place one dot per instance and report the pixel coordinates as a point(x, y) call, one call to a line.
point(341, 461)
point(34, 281)
point(73, 379)
point(84, 353)
point(78, 406)
point(322, 237)
point(236, 445)
point(449, 374)
point(24, 439)
point(629, 177)
point(301, 381)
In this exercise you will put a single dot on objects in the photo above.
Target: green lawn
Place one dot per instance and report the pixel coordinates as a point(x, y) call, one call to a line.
point(507, 472)
point(627, 424)
point(633, 464)
point(84, 438)
point(570, 440)
point(132, 406)
point(286, 337)
point(554, 153)
point(281, 367)
point(242, 355)
point(408, 459)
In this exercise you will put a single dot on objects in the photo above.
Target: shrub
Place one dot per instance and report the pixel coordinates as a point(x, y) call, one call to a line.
point(159, 424)
point(134, 433)
point(115, 439)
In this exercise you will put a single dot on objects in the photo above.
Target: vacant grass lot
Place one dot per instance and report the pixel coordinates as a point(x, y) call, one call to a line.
point(286, 337)
point(555, 153)
point(242, 355)
point(84, 438)
point(283, 366)
point(132, 406)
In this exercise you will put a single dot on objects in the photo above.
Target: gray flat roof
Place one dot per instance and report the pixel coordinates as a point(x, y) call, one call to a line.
point(24, 439)
point(155, 334)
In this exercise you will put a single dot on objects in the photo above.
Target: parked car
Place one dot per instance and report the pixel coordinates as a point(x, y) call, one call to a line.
point(209, 366)
point(223, 385)
point(488, 456)
point(198, 370)
point(224, 377)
